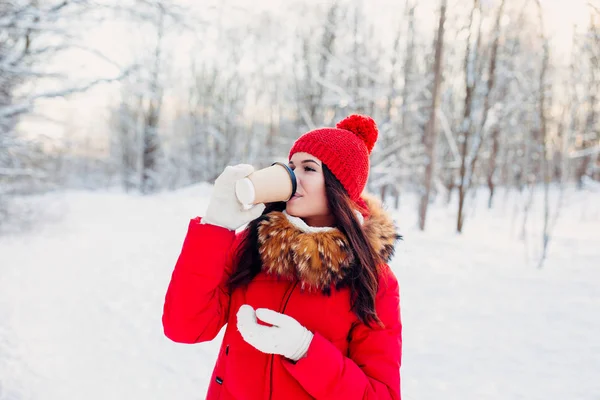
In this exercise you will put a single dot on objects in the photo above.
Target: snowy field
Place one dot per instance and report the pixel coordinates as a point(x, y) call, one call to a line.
point(81, 299)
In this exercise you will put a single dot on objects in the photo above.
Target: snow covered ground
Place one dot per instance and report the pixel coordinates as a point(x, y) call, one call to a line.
point(81, 299)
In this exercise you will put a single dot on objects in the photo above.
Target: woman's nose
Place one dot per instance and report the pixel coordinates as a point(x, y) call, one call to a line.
point(299, 184)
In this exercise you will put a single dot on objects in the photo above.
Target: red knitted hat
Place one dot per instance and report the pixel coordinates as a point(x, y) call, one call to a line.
point(345, 150)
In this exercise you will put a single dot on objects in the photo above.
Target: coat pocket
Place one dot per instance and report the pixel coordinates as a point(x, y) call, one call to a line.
point(215, 387)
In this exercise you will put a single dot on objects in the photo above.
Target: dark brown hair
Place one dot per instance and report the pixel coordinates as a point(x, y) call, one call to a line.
point(362, 279)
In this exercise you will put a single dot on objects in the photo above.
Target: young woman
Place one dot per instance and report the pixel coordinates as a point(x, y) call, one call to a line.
point(311, 306)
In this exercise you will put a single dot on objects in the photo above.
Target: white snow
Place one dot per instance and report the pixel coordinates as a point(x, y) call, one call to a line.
point(81, 301)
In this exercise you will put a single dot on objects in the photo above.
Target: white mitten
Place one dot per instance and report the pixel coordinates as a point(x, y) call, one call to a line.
point(224, 209)
point(286, 337)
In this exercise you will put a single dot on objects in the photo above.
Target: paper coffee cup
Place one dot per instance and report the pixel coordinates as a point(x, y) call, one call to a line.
point(268, 185)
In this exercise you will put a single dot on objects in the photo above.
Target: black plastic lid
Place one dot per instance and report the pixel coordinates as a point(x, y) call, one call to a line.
point(292, 176)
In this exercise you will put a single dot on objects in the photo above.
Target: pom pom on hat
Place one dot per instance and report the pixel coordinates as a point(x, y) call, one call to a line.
point(362, 126)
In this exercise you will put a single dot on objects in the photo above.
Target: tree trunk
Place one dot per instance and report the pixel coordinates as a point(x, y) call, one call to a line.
point(470, 82)
point(430, 134)
point(493, 164)
point(467, 172)
point(544, 138)
point(151, 144)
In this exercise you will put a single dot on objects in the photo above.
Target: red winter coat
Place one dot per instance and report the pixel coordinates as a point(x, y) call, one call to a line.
point(345, 360)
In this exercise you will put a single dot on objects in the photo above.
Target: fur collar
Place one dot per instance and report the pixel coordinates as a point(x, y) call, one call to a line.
point(320, 258)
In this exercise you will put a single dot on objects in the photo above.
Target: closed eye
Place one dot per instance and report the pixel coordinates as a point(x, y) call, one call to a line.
point(305, 169)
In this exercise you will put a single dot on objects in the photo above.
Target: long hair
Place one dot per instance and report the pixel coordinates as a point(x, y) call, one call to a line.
point(362, 279)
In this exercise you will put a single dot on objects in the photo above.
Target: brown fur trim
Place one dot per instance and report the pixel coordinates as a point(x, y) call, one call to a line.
point(320, 260)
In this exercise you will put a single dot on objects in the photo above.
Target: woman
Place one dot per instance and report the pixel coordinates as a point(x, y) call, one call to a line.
point(311, 306)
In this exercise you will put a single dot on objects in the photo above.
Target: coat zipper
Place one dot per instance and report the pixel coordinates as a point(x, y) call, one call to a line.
point(282, 311)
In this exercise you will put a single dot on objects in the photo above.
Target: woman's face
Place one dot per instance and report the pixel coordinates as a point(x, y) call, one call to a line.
point(310, 201)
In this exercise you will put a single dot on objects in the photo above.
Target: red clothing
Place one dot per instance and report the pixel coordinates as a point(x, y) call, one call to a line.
point(345, 360)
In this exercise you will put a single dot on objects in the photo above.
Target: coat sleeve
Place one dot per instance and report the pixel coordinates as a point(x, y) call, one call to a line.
point(371, 370)
point(197, 301)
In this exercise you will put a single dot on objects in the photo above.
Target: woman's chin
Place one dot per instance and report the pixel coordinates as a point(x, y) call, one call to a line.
point(294, 210)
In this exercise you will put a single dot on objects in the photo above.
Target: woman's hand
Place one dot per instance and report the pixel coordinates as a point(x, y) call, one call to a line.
point(224, 209)
point(286, 337)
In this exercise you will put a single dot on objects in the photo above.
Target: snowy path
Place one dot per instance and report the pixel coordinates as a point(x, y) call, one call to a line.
point(81, 301)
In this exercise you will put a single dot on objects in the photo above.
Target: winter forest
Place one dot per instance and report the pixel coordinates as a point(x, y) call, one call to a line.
point(116, 116)
point(477, 94)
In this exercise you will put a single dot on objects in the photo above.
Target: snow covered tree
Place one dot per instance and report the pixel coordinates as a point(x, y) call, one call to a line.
point(430, 134)
point(33, 34)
